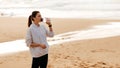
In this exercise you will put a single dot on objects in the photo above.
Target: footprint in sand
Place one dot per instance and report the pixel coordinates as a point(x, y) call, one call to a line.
point(57, 39)
point(1, 62)
point(102, 50)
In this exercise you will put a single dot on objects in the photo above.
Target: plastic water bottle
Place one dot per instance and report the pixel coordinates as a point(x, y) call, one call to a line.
point(44, 20)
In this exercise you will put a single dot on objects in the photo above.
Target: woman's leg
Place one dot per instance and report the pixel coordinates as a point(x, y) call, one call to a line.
point(44, 61)
point(40, 62)
point(35, 63)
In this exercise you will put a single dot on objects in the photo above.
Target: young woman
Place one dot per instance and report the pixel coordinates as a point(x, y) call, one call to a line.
point(36, 39)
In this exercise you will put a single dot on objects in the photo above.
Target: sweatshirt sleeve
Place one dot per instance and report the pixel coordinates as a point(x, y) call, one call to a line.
point(48, 33)
point(28, 38)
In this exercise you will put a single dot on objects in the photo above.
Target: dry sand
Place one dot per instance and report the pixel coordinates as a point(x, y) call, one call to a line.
point(94, 53)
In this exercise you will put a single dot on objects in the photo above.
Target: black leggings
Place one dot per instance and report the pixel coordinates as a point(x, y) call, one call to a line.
point(40, 62)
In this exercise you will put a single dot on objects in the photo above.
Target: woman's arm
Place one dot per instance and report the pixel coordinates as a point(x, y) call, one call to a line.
point(50, 28)
point(49, 32)
point(38, 45)
point(30, 43)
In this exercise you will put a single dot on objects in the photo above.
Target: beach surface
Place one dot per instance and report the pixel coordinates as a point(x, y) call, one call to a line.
point(86, 53)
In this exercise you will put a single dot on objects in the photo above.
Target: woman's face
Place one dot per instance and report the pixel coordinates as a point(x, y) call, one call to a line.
point(37, 18)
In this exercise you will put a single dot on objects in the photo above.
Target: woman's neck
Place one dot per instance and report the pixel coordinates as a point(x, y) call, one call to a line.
point(36, 23)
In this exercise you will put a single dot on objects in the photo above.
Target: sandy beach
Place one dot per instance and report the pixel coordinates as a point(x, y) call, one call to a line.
point(92, 53)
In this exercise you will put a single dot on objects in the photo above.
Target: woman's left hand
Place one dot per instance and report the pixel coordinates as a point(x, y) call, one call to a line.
point(48, 21)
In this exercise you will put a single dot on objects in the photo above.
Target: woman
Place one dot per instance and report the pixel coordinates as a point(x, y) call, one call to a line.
point(36, 39)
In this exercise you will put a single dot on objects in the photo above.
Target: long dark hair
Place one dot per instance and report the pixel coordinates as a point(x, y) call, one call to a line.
point(33, 15)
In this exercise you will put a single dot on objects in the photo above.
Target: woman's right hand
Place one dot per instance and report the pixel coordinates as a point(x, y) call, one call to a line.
point(43, 46)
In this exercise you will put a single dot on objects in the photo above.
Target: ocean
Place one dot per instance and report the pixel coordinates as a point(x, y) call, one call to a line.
point(109, 9)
